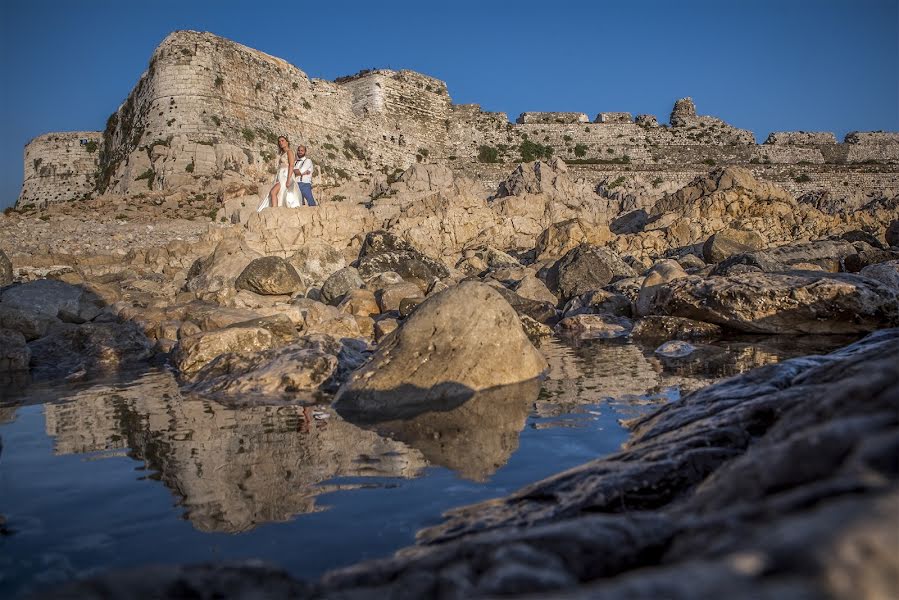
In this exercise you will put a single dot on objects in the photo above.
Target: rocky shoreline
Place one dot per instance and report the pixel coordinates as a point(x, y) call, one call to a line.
point(428, 295)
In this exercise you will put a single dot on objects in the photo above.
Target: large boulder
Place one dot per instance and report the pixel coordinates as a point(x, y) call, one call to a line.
point(270, 276)
point(217, 272)
point(792, 302)
point(728, 242)
point(195, 351)
point(460, 341)
point(661, 273)
point(339, 283)
point(316, 260)
point(829, 255)
point(52, 299)
point(886, 273)
point(411, 265)
point(584, 269)
point(6, 276)
point(532, 288)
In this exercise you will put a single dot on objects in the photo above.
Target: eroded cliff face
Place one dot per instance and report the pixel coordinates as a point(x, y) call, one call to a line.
point(209, 110)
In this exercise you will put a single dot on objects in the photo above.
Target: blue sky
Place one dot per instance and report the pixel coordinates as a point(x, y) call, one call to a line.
point(813, 65)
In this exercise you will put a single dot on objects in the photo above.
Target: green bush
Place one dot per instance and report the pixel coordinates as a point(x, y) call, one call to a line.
point(580, 150)
point(567, 138)
point(488, 154)
point(248, 134)
point(189, 167)
point(804, 178)
point(531, 151)
point(91, 146)
point(149, 175)
point(709, 162)
point(219, 80)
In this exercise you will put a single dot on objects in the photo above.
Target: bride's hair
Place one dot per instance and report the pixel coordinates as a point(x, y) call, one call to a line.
point(281, 150)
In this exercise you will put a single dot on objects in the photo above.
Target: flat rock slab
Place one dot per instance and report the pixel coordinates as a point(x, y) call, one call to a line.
point(791, 302)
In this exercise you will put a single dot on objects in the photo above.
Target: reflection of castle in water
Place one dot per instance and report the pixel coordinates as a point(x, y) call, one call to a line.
point(234, 468)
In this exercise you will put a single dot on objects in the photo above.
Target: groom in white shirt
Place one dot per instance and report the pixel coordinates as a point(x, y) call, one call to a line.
point(302, 169)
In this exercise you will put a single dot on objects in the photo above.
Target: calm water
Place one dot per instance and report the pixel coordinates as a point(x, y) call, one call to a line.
point(127, 472)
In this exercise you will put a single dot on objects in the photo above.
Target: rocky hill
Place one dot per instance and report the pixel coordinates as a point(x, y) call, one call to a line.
point(207, 111)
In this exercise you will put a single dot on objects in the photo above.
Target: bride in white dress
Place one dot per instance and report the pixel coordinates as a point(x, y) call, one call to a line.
point(284, 190)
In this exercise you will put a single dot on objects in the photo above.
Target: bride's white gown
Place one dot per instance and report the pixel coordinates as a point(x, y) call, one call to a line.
point(288, 196)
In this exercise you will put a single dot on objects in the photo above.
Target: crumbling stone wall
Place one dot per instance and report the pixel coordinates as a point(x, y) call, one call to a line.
point(60, 167)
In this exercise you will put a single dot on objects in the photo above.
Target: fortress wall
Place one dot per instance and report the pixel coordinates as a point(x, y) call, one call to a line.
point(60, 167)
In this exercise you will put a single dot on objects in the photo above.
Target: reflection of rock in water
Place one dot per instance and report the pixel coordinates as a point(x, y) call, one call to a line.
point(234, 468)
point(473, 439)
point(589, 371)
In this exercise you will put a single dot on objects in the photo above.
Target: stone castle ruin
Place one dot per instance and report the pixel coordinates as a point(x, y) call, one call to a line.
point(210, 109)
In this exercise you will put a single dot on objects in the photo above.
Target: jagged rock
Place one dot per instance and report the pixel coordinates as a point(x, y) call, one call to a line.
point(675, 349)
point(535, 330)
point(390, 297)
point(728, 242)
point(827, 254)
point(409, 264)
point(359, 302)
point(456, 343)
point(217, 272)
point(892, 233)
point(595, 326)
point(339, 283)
point(584, 269)
point(857, 235)
point(88, 350)
point(6, 275)
point(532, 288)
point(886, 273)
point(661, 273)
point(195, 351)
point(657, 327)
point(380, 242)
point(316, 260)
point(866, 256)
point(682, 111)
point(793, 302)
point(52, 299)
point(559, 238)
point(691, 262)
point(631, 222)
point(308, 364)
point(599, 301)
point(14, 352)
point(270, 276)
point(32, 325)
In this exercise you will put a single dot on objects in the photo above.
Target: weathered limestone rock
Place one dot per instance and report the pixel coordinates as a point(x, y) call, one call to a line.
point(316, 260)
point(543, 312)
point(886, 273)
point(559, 238)
point(826, 254)
point(382, 280)
point(598, 302)
point(290, 372)
point(532, 288)
point(409, 264)
point(381, 241)
point(595, 326)
point(218, 271)
point(728, 242)
point(457, 342)
point(793, 302)
point(14, 352)
point(6, 276)
point(52, 299)
point(270, 276)
point(682, 111)
point(360, 302)
point(675, 349)
point(583, 269)
point(661, 273)
point(194, 351)
point(390, 297)
point(658, 327)
point(339, 283)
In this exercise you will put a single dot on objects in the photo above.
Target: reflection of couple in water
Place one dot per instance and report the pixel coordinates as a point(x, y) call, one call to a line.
point(292, 187)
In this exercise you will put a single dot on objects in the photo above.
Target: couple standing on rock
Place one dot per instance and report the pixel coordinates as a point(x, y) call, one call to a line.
point(290, 188)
